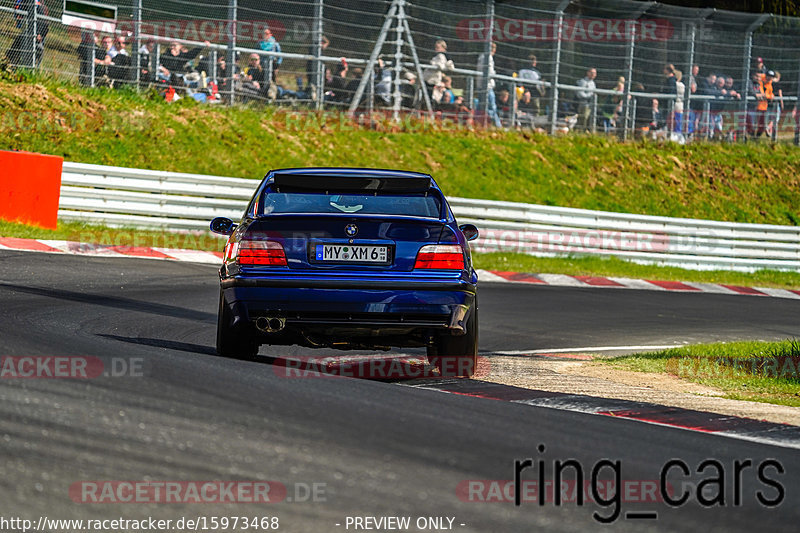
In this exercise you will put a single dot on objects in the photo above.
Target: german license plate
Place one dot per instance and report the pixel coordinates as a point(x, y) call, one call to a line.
point(348, 253)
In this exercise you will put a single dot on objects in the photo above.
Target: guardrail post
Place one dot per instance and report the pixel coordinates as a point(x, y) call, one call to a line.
point(687, 108)
point(398, 69)
point(626, 99)
point(35, 23)
point(487, 55)
point(557, 65)
point(137, 43)
point(318, 78)
point(513, 123)
point(748, 46)
point(631, 26)
point(232, 30)
point(214, 57)
point(370, 94)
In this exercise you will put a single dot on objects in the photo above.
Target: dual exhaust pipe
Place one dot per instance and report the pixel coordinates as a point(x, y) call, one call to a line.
point(270, 324)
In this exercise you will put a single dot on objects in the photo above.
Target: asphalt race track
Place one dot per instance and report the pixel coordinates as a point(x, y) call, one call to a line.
point(373, 448)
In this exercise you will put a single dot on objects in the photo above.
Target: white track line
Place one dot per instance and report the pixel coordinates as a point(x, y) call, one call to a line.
point(591, 349)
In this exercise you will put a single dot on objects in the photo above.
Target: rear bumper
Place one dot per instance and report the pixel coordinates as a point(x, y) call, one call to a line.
point(353, 303)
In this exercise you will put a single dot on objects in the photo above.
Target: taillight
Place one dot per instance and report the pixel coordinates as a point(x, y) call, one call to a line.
point(442, 256)
point(263, 253)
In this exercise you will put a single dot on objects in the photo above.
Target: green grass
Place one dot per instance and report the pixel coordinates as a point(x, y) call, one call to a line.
point(748, 370)
point(612, 266)
point(742, 183)
point(574, 266)
point(95, 234)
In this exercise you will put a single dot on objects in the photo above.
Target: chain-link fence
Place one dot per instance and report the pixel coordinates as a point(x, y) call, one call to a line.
point(621, 67)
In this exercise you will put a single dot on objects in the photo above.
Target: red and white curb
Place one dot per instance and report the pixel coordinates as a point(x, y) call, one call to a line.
point(555, 280)
point(82, 248)
point(776, 434)
point(561, 280)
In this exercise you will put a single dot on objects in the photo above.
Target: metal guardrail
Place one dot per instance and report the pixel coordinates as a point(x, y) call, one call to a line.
point(156, 199)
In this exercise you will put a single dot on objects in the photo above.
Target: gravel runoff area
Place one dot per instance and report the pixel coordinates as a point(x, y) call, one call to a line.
point(593, 378)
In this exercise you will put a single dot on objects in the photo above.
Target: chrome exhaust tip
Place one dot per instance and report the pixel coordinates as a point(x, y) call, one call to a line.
point(270, 324)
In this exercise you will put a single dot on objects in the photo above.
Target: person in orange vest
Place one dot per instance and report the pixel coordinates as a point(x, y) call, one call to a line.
point(762, 90)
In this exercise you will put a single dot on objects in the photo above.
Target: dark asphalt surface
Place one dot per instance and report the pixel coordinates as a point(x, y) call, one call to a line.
point(379, 448)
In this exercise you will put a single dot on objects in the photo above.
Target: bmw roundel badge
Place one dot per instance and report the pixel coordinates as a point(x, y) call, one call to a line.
point(351, 230)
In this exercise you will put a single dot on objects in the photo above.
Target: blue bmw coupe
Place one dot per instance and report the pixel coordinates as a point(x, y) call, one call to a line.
point(351, 259)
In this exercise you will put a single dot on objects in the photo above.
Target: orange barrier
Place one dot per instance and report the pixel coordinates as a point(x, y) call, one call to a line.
point(30, 186)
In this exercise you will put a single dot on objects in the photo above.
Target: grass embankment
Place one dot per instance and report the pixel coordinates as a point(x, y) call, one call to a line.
point(574, 266)
point(741, 183)
point(756, 371)
point(752, 183)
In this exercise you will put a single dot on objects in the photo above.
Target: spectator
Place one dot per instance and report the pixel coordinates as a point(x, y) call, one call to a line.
point(762, 90)
point(86, 57)
point(677, 111)
point(145, 54)
point(769, 96)
point(668, 86)
point(255, 79)
point(101, 59)
point(408, 91)
point(19, 52)
point(310, 74)
point(174, 62)
point(437, 95)
point(441, 64)
point(777, 107)
point(268, 43)
point(448, 96)
point(486, 65)
point(447, 104)
point(731, 106)
point(760, 67)
point(505, 107)
point(527, 111)
point(695, 105)
point(708, 89)
point(352, 87)
point(119, 46)
point(731, 92)
point(227, 77)
point(120, 69)
point(585, 96)
point(656, 125)
point(718, 106)
point(538, 91)
point(612, 107)
point(337, 86)
point(383, 88)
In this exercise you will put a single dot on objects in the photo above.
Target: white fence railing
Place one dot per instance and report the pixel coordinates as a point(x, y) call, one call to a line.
point(155, 199)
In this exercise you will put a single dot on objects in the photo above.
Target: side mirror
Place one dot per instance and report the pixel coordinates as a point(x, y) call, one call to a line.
point(223, 226)
point(469, 231)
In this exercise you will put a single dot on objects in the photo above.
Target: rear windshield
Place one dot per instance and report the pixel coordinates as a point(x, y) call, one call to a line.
point(409, 204)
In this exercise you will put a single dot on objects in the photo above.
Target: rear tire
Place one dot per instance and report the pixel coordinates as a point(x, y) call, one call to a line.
point(457, 356)
point(232, 343)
